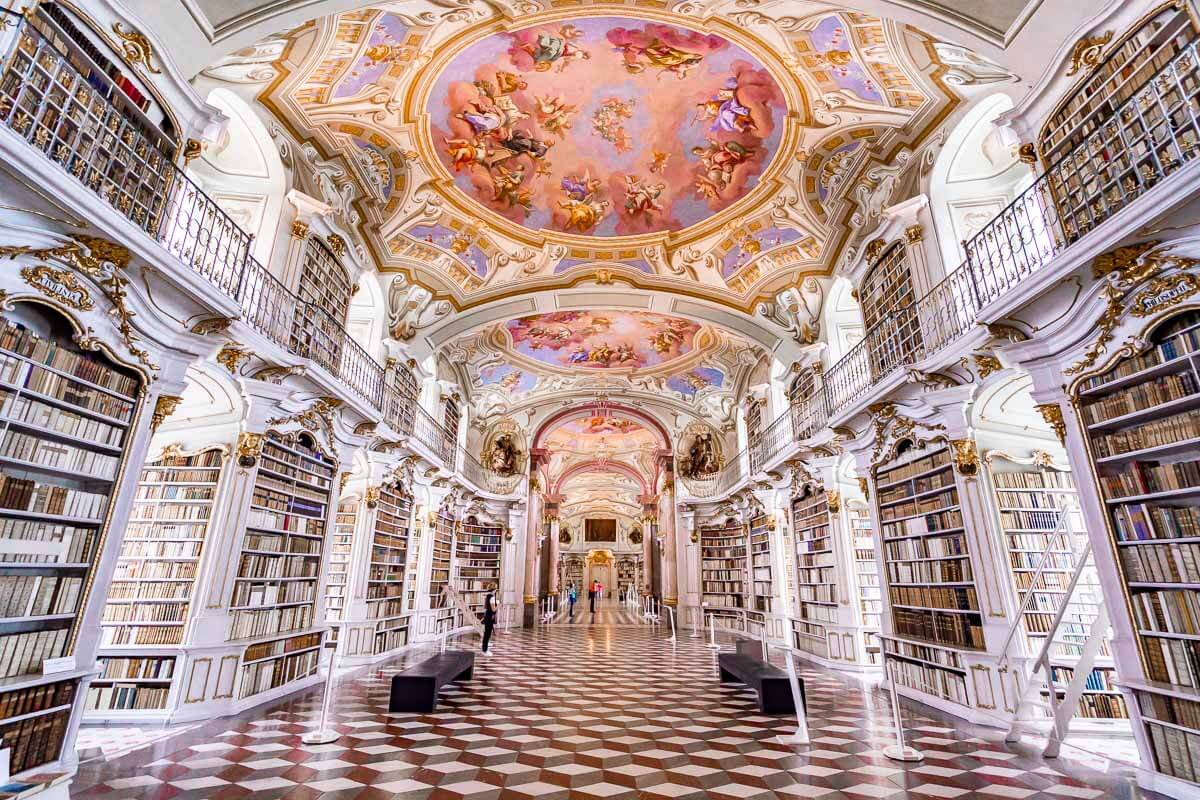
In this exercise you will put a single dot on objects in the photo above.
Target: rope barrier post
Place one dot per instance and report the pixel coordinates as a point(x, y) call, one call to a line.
point(712, 633)
point(899, 751)
point(801, 735)
point(323, 733)
point(672, 613)
point(698, 624)
point(507, 611)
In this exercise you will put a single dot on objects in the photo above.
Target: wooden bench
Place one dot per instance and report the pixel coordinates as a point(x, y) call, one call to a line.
point(416, 688)
point(772, 684)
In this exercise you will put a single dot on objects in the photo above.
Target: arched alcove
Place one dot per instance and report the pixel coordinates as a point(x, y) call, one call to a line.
point(843, 321)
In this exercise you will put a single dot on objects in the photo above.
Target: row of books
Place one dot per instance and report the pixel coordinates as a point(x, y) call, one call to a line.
point(1174, 661)
point(940, 458)
point(1177, 752)
point(195, 493)
point(127, 697)
point(936, 655)
point(954, 630)
point(269, 594)
point(39, 595)
point(1016, 499)
point(153, 475)
point(145, 612)
point(290, 566)
point(924, 505)
point(1141, 396)
point(150, 635)
point(31, 411)
point(276, 495)
point(1157, 433)
point(915, 487)
point(930, 680)
point(1101, 706)
point(732, 600)
point(961, 598)
point(155, 570)
point(318, 478)
point(817, 592)
point(1164, 563)
point(26, 494)
point(936, 522)
point(1176, 346)
point(1176, 611)
point(23, 653)
point(1054, 578)
point(297, 453)
point(279, 647)
point(148, 509)
point(193, 529)
point(59, 387)
point(1173, 710)
point(1030, 520)
point(1150, 477)
point(66, 544)
point(275, 543)
point(1042, 479)
point(283, 521)
point(20, 702)
point(148, 668)
point(1141, 522)
point(945, 546)
point(35, 740)
point(723, 586)
point(384, 607)
point(266, 675)
point(951, 570)
point(16, 338)
point(86, 464)
point(265, 622)
point(164, 549)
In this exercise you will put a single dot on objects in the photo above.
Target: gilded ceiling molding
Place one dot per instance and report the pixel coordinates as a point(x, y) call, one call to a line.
point(892, 427)
point(1053, 414)
point(136, 48)
point(1087, 51)
point(232, 356)
point(317, 418)
point(164, 407)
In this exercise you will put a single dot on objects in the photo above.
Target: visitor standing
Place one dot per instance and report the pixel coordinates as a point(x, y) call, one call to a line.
point(592, 596)
point(489, 617)
point(572, 596)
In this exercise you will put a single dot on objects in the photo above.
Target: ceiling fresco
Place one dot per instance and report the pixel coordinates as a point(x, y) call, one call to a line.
point(605, 126)
point(602, 339)
point(722, 152)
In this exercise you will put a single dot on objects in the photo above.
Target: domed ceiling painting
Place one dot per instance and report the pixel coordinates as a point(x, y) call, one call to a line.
point(605, 126)
point(602, 339)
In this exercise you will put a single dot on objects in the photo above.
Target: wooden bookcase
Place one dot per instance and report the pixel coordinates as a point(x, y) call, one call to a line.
point(1141, 419)
point(439, 575)
point(150, 597)
point(67, 417)
point(761, 568)
point(573, 574)
point(477, 563)
point(627, 574)
point(341, 547)
point(1032, 496)
point(273, 608)
point(866, 571)
point(816, 581)
point(723, 567)
point(935, 612)
point(388, 569)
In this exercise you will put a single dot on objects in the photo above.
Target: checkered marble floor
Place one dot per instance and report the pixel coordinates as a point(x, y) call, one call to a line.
point(607, 613)
point(590, 712)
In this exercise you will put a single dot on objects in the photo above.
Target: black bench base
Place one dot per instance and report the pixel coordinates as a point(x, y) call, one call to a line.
point(416, 688)
point(770, 682)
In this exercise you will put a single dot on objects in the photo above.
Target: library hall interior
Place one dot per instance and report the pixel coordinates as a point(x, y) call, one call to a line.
point(599, 399)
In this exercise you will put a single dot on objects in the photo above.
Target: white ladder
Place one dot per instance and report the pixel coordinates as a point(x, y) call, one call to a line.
point(468, 615)
point(1063, 710)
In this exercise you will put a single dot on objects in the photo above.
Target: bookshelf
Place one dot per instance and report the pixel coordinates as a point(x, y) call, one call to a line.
point(930, 580)
point(66, 417)
point(439, 574)
point(723, 566)
point(149, 599)
point(866, 572)
point(627, 573)
point(273, 607)
point(477, 563)
point(761, 570)
point(388, 569)
point(1141, 421)
point(816, 580)
point(341, 545)
point(1034, 499)
point(573, 574)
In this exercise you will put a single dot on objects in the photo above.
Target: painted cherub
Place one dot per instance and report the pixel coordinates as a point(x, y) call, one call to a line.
point(554, 114)
point(641, 198)
point(551, 49)
point(466, 153)
point(507, 184)
point(497, 119)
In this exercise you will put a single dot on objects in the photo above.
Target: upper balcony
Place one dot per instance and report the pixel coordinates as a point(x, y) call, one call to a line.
point(1133, 158)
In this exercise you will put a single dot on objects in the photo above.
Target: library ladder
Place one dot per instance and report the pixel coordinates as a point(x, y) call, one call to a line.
point(1060, 710)
point(458, 602)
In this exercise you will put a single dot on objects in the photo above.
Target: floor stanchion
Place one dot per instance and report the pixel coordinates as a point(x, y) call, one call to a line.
point(899, 751)
point(671, 611)
point(712, 633)
point(801, 735)
point(323, 733)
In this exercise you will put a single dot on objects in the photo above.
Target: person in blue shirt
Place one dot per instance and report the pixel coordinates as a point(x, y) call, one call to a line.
point(572, 596)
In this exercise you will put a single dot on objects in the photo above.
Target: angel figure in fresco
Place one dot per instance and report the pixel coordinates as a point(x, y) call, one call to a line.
point(580, 187)
point(718, 159)
point(584, 215)
point(510, 381)
point(554, 114)
point(507, 183)
point(664, 339)
point(661, 55)
point(578, 355)
point(658, 161)
point(601, 354)
point(559, 49)
point(506, 83)
point(641, 198)
point(724, 109)
point(521, 143)
point(495, 119)
point(697, 381)
point(625, 355)
point(384, 53)
point(608, 124)
point(466, 153)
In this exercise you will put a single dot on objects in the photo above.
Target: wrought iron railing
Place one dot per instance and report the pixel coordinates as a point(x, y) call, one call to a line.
point(433, 436)
point(49, 103)
point(770, 443)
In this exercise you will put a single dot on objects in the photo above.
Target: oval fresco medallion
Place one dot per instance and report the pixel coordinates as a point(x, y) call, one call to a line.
point(602, 339)
point(605, 126)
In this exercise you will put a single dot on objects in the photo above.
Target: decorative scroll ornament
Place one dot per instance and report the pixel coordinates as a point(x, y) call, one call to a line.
point(886, 420)
point(966, 457)
point(343, 479)
point(874, 248)
point(365, 428)
point(834, 498)
point(277, 374)
point(213, 325)
point(1053, 414)
point(1131, 264)
point(1164, 293)
point(1105, 326)
point(191, 151)
point(317, 418)
point(136, 47)
point(1086, 53)
point(232, 356)
point(60, 285)
point(299, 230)
point(164, 407)
point(372, 496)
point(249, 448)
point(864, 486)
point(914, 234)
point(337, 245)
point(401, 476)
point(101, 262)
point(1027, 153)
point(988, 365)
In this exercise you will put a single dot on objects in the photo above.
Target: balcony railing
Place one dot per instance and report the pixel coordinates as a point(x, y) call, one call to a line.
point(484, 478)
point(770, 442)
point(52, 106)
point(433, 436)
point(721, 481)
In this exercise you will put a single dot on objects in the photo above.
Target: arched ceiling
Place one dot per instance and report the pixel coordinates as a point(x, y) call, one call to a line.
point(599, 439)
point(711, 155)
